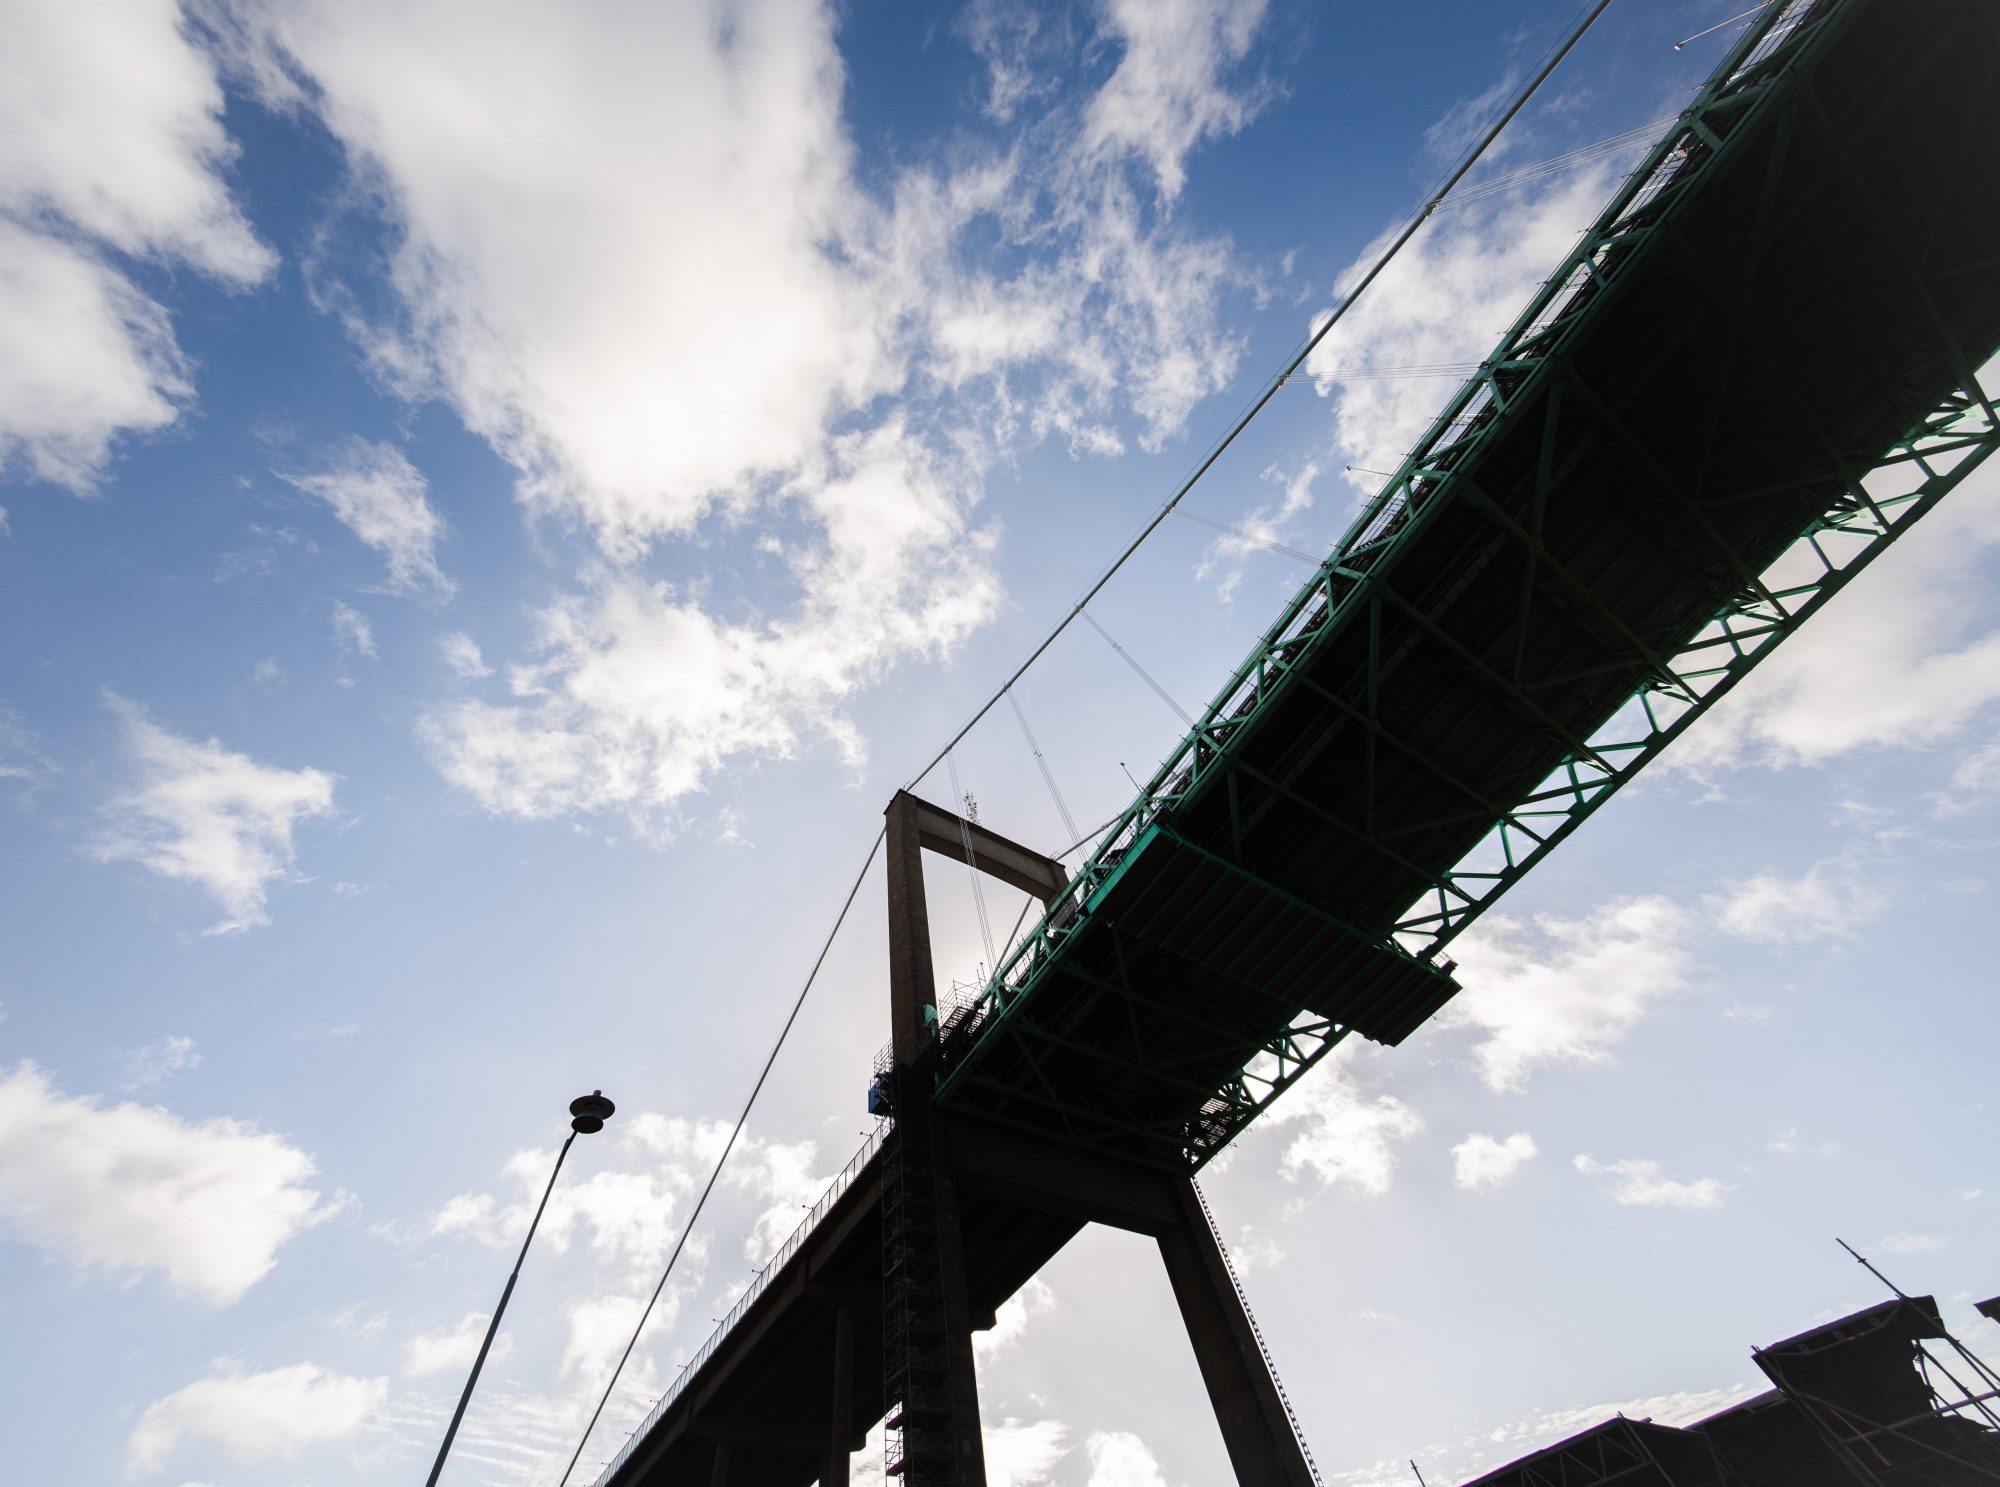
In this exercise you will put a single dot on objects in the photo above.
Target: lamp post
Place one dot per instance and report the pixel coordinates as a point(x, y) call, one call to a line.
point(588, 1113)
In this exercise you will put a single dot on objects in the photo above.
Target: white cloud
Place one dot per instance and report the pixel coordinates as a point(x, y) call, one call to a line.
point(84, 356)
point(205, 815)
point(1750, 1014)
point(1909, 1244)
point(1168, 94)
point(158, 1061)
point(133, 1188)
point(1564, 990)
point(1975, 782)
point(1788, 1143)
point(1120, 1459)
point(1442, 302)
point(1481, 1162)
point(22, 758)
point(1638, 1182)
point(1833, 899)
point(110, 134)
point(383, 499)
point(110, 117)
point(1351, 1133)
point(639, 693)
point(352, 632)
point(451, 1347)
point(1010, 1321)
point(461, 655)
point(255, 1417)
point(1023, 1454)
point(824, 372)
point(1908, 655)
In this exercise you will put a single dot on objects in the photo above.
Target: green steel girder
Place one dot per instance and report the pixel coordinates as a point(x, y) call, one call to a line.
point(1357, 585)
point(1744, 632)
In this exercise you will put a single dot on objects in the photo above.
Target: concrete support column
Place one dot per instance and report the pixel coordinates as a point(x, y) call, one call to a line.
point(718, 1473)
point(912, 984)
point(971, 1464)
point(840, 1424)
point(1255, 1430)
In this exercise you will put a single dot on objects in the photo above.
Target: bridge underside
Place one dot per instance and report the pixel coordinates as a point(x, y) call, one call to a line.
point(1762, 355)
point(1755, 373)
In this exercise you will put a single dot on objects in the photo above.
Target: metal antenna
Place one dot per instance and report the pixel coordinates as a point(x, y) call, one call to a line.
point(1862, 1260)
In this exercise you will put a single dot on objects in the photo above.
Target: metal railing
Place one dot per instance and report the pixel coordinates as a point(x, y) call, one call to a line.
point(756, 1288)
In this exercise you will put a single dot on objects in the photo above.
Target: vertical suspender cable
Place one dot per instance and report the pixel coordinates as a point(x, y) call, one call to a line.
point(1277, 383)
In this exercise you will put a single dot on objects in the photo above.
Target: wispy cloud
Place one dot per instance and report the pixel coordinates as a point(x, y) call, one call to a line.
point(1558, 990)
point(254, 1417)
point(129, 1189)
point(383, 499)
point(1639, 1183)
point(1348, 1133)
point(1481, 1162)
point(159, 1061)
point(203, 814)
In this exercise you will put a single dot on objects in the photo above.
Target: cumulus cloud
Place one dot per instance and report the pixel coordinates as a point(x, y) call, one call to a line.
point(1443, 302)
point(110, 138)
point(822, 374)
point(1639, 1182)
point(1833, 899)
point(1564, 990)
point(384, 500)
point(461, 656)
point(205, 815)
point(254, 1417)
point(1023, 1453)
point(1480, 1162)
point(637, 692)
point(624, 1211)
point(1010, 1322)
point(1907, 656)
point(451, 1347)
point(1120, 1459)
point(1169, 91)
point(1350, 1132)
point(127, 1189)
point(158, 1061)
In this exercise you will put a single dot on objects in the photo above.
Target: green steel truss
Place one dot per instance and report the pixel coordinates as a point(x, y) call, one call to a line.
point(1762, 82)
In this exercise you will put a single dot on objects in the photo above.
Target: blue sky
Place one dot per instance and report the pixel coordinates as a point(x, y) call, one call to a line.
point(496, 498)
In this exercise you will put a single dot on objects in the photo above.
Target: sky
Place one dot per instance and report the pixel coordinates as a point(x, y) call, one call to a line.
point(494, 499)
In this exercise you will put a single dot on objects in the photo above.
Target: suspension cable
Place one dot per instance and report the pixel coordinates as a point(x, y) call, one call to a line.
point(1144, 675)
point(961, 807)
point(1048, 777)
point(729, 1146)
point(1298, 359)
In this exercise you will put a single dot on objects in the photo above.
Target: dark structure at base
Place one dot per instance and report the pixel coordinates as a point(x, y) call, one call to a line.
point(1885, 1396)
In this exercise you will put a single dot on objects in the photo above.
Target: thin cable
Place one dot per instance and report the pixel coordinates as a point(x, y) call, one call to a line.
point(755, 1090)
point(1555, 164)
point(962, 804)
point(1049, 779)
point(1252, 537)
point(1277, 383)
point(1720, 24)
point(1145, 676)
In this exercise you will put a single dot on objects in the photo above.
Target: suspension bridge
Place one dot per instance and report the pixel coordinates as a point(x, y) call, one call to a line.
point(1754, 373)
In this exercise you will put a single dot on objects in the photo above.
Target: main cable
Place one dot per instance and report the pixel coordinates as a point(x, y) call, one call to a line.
point(1277, 383)
point(741, 1120)
point(1215, 452)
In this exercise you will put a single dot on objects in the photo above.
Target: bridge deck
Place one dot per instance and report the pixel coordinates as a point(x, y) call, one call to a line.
point(1768, 339)
point(1802, 271)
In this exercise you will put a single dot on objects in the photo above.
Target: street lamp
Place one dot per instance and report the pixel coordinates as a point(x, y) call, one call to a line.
point(588, 1113)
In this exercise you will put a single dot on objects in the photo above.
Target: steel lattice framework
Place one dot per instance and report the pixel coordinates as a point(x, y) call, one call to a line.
point(1652, 481)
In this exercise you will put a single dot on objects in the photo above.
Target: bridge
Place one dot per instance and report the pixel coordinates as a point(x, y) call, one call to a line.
point(1756, 371)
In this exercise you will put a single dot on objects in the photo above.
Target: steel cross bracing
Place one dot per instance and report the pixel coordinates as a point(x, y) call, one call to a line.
point(1703, 427)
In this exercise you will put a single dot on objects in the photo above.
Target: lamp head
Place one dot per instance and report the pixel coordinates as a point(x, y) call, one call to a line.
point(589, 1112)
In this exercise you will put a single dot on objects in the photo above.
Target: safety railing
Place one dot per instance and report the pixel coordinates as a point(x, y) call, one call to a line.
point(744, 1302)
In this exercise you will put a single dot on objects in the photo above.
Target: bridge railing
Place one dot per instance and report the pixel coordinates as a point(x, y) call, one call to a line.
point(756, 1288)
